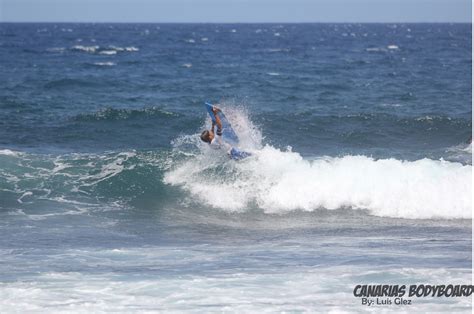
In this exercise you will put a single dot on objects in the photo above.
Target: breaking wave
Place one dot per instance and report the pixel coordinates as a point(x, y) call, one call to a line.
point(278, 181)
point(272, 180)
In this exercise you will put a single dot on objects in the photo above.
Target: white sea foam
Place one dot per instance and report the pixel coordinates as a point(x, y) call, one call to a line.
point(291, 289)
point(90, 49)
point(108, 52)
point(31, 178)
point(122, 49)
point(391, 105)
point(273, 73)
point(110, 168)
point(26, 194)
point(8, 152)
point(392, 47)
point(131, 49)
point(105, 63)
point(280, 181)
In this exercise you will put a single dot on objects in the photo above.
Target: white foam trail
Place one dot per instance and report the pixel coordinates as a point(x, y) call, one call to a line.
point(109, 169)
point(105, 63)
point(64, 180)
point(91, 49)
point(121, 49)
point(108, 52)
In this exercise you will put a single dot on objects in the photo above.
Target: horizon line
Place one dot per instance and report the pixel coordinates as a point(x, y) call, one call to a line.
point(276, 22)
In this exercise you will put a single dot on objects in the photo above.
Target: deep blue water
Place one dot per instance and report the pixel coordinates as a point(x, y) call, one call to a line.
point(339, 88)
point(361, 168)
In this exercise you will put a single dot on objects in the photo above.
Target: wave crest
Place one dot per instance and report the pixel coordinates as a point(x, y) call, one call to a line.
point(281, 181)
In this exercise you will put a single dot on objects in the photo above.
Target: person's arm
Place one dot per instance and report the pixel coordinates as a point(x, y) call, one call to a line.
point(218, 121)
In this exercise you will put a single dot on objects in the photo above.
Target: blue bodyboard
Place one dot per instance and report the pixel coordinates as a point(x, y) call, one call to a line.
point(237, 154)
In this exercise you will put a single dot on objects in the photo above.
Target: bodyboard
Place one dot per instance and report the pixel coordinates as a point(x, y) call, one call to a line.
point(228, 134)
point(237, 154)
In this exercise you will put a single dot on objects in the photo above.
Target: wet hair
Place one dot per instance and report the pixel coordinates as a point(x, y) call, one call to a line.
point(205, 136)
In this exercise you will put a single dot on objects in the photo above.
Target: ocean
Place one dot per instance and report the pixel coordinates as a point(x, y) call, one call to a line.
point(360, 174)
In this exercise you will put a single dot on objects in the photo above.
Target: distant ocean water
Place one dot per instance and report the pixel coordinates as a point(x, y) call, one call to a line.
point(361, 170)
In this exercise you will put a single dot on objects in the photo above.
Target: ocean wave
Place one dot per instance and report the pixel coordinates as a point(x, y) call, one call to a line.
point(108, 64)
point(282, 181)
point(113, 114)
point(279, 181)
point(107, 50)
point(272, 180)
point(90, 49)
point(68, 82)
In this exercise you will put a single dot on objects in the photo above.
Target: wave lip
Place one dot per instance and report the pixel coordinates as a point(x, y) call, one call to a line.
point(387, 188)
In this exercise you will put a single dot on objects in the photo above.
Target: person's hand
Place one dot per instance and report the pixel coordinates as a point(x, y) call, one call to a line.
point(215, 109)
